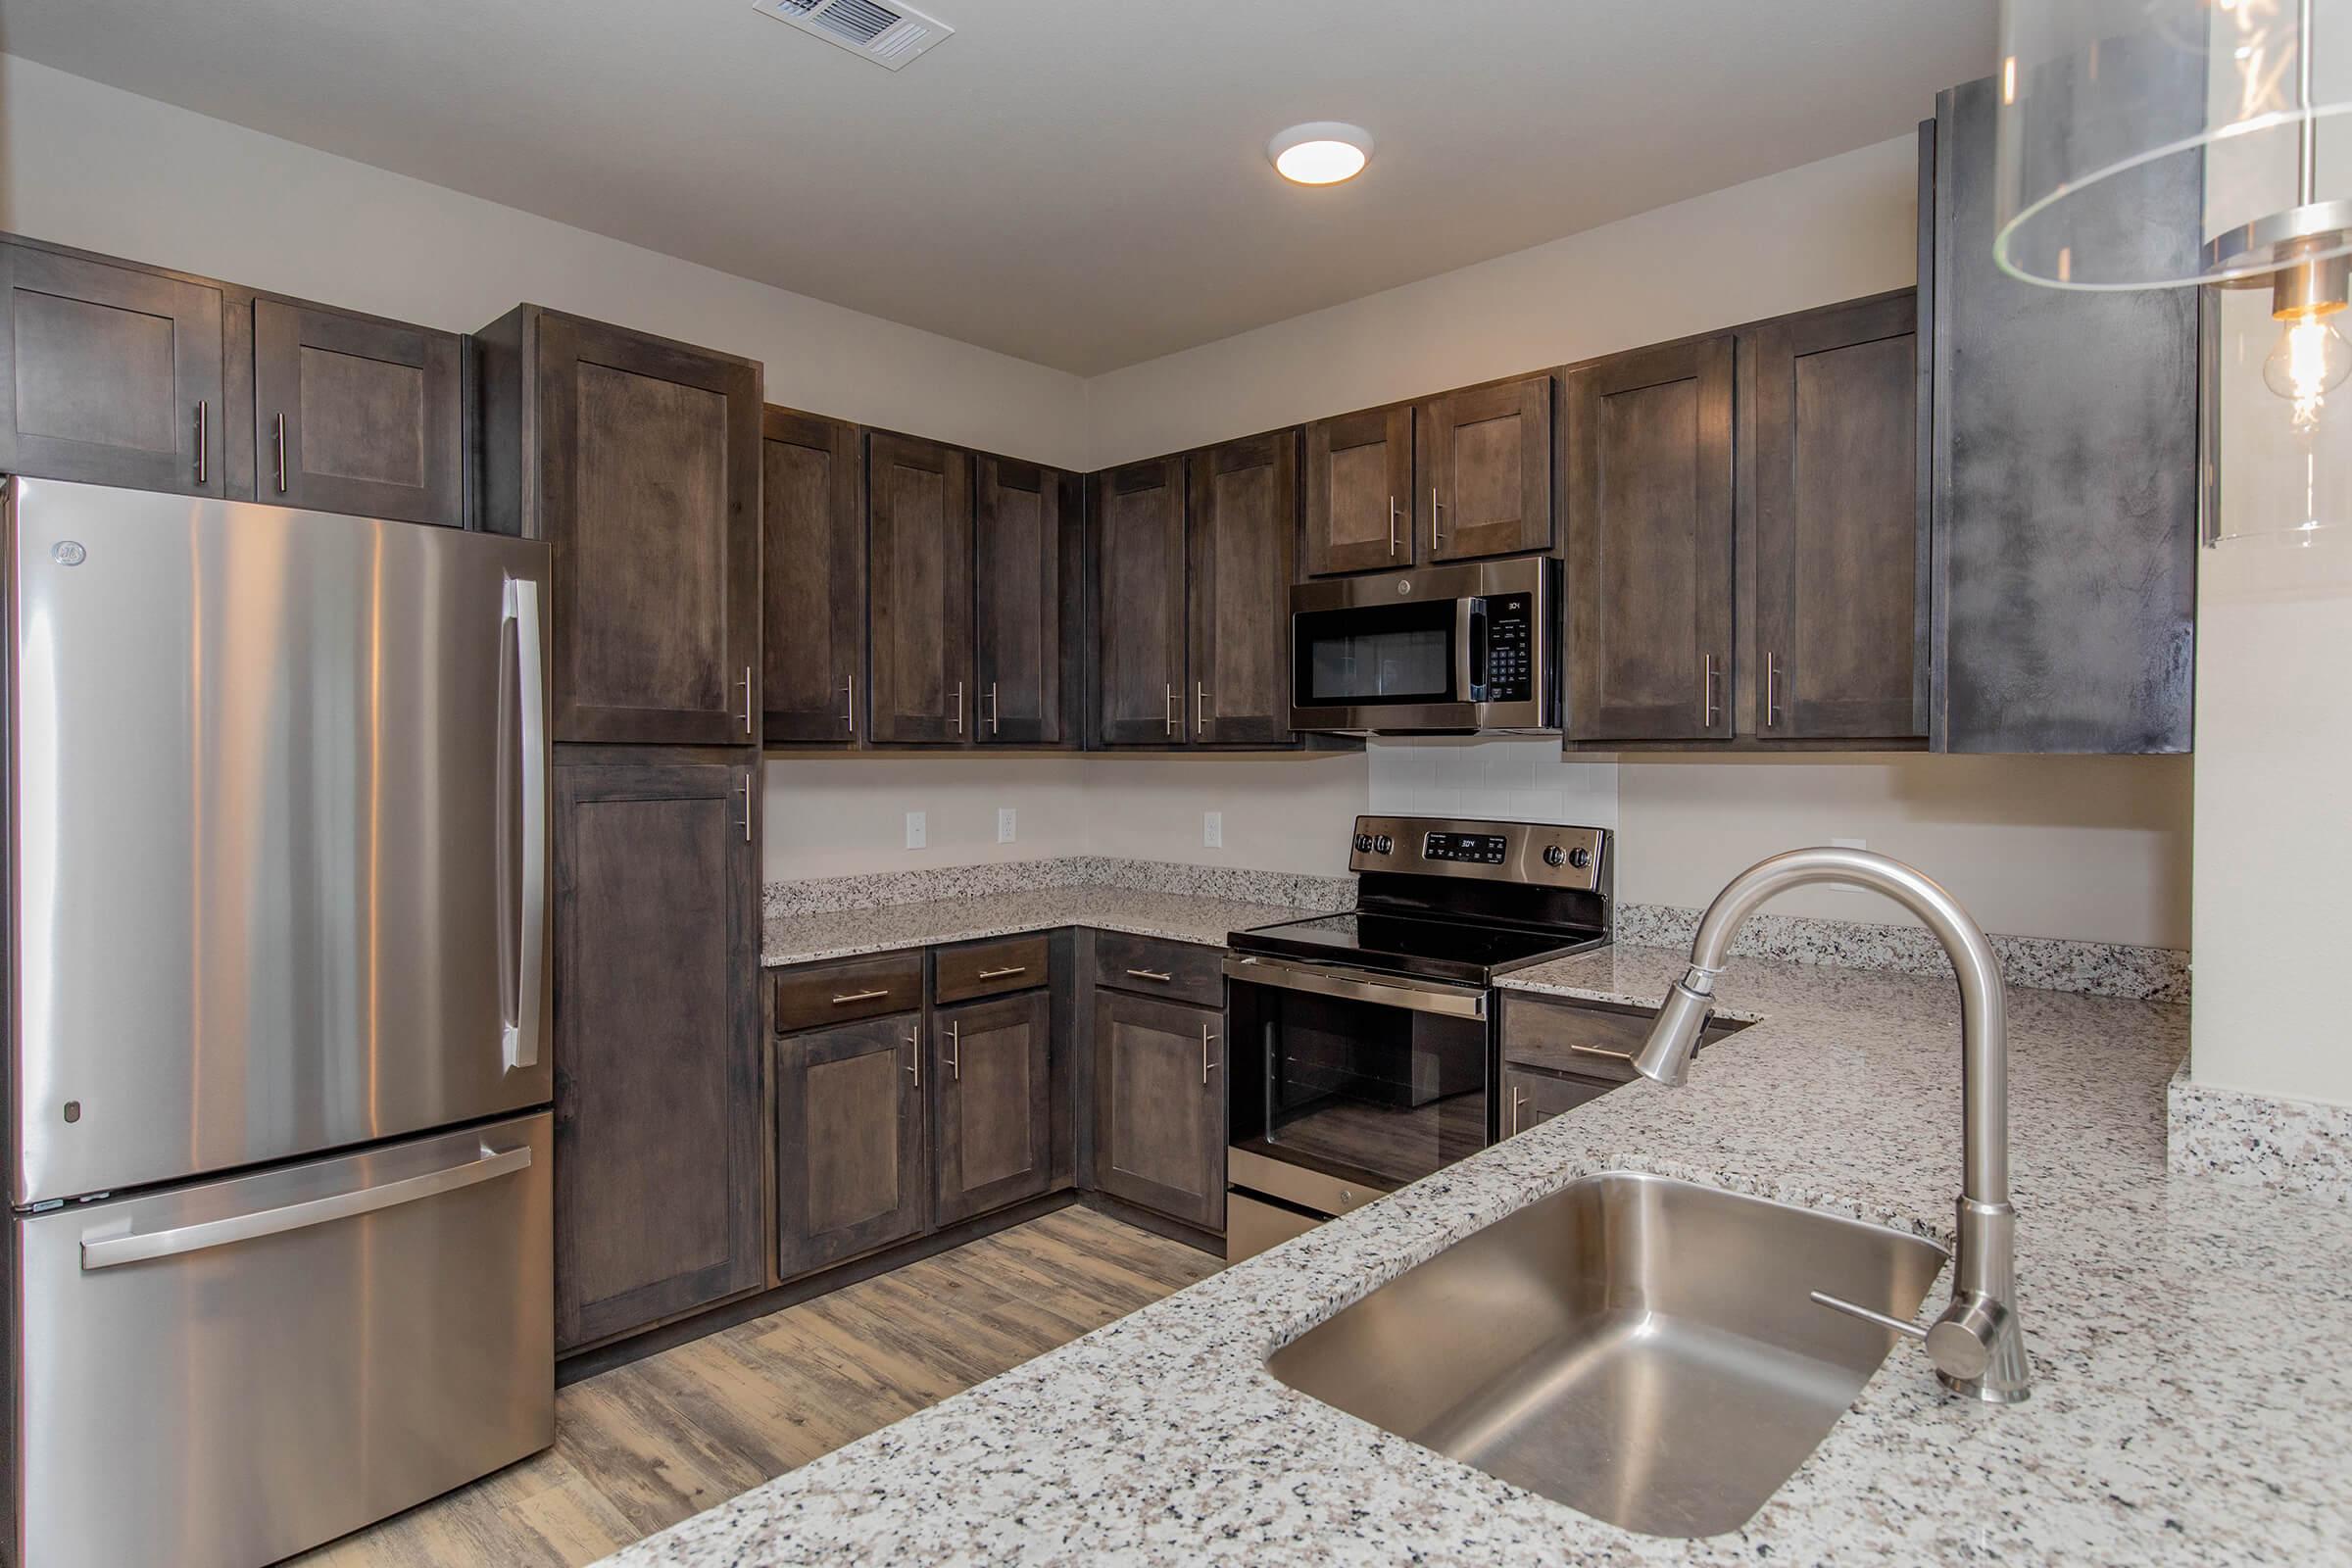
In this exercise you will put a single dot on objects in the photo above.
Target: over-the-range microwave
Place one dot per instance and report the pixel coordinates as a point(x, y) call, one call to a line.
point(1445, 649)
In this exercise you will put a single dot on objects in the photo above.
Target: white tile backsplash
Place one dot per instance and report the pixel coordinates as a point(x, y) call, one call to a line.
point(1509, 779)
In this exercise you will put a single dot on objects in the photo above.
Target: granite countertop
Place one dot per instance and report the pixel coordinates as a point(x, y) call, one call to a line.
point(1175, 916)
point(2192, 1402)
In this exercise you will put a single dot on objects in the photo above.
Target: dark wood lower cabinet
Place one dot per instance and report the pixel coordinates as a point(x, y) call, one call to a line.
point(992, 1104)
point(657, 1050)
point(1159, 1107)
point(850, 1154)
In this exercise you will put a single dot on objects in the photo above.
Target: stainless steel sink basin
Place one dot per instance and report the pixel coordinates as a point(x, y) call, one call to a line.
point(1643, 1350)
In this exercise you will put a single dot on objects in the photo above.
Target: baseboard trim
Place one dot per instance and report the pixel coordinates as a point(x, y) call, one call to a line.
point(1159, 1224)
point(596, 1358)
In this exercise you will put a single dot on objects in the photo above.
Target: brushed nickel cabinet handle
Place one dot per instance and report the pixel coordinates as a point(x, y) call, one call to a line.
point(1160, 975)
point(1595, 1050)
point(848, 705)
point(914, 1055)
point(1518, 1103)
point(993, 709)
point(1000, 974)
point(745, 684)
point(1435, 505)
point(954, 1044)
point(746, 788)
point(846, 997)
point(1167, 711)
point(277, 450)
point(1710, 708)
point(1200, 708)
point(1772, 689)
point(1391, 527)
point(959, 708)
point(201, 439)
point(1206, 1036)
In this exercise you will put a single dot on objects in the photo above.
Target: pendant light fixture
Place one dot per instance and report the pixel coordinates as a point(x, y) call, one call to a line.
point(2104, 104)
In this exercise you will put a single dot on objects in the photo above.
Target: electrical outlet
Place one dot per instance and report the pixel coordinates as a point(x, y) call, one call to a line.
point(1004, 824)
point(918, 832)
point(1212, 830)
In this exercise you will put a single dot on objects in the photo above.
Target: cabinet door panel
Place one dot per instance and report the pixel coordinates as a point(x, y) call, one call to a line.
point(1482, 475)
point(1359, 487)
point(849, 1141)
point(1139, 518)
point(1650, 545)
point(1025, 571)
point(920, 500)
point(812, 569)
point(1244, 523)
point(356, 416)
point(992, 1103)
point(1531, 1099)
point(1159, 1107)
point(1840, 535)
point(650, 475)
point(106, 373)
point(657, 1050)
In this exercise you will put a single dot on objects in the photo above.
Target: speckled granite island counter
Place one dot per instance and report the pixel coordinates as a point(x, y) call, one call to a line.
point(2192, 1403)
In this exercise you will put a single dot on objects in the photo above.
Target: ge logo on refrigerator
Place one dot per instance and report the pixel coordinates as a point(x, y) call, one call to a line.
point(69, 552)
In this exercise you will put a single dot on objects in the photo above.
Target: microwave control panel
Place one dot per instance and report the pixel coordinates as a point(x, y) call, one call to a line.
point(1510, 647)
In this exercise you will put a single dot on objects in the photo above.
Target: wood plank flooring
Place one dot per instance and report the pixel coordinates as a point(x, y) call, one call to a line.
point(644, 1446)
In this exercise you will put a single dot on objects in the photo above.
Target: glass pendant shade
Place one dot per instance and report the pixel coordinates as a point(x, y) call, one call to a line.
point(2115, 111)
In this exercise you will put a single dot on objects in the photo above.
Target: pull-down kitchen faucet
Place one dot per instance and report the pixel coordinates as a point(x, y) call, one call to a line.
point(1977, 1345)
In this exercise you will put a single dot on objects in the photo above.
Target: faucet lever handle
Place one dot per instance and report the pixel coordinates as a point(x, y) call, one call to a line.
point(1853, 1310)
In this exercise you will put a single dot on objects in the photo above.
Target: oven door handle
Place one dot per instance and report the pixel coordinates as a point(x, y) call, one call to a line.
point(1419, 995)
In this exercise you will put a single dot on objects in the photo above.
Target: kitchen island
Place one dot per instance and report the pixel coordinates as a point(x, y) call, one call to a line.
point(2192, 1402)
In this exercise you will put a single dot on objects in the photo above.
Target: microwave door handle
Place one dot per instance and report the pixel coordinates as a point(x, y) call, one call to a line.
point(1470, 649)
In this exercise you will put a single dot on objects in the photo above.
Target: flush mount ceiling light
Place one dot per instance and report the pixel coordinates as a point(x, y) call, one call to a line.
point(1323, 152)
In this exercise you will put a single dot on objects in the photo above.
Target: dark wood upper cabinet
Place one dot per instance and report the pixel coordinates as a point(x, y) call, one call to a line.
point(1026, 578)
point(1835, 519)
point(1159, 1107)
point(656, 1048)
point(1483, 471)
point(109, 374)
point(1243, 501)
point(2066, 478)
point(1138, 515)
point(850, 1154)
point(1359, 492)
point(812, 572)
point(919, 510)
point(355, 414)
point(1650, 544)
point(992, 1104)
point(643, 457)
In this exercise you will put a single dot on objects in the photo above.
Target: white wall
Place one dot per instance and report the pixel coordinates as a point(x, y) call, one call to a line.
point(835, 816)
point(88, 165)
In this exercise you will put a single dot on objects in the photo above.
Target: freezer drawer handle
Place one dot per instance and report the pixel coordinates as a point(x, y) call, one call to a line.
point(111, 1251)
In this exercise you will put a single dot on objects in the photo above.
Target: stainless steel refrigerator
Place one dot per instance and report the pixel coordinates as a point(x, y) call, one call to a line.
point(279, 1257)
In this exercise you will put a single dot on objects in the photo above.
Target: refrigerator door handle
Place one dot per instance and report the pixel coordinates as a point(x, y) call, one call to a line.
point(112, 1251)
point(522, 1026)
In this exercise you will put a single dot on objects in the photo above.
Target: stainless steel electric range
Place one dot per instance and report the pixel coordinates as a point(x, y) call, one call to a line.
point(1362, 1045)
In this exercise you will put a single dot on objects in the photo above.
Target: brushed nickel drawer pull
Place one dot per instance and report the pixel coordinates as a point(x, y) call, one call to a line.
point(1596, 1050)
point(999, 974)
point(1160, 975)
point(846, 999)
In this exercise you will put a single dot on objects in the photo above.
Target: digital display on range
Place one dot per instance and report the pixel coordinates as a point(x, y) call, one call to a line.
point(1480, 849)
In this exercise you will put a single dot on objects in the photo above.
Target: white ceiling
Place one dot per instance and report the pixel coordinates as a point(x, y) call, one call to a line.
point(1079, 182)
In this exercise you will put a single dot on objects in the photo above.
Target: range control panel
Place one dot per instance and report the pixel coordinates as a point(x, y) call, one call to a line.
point(1536, 853)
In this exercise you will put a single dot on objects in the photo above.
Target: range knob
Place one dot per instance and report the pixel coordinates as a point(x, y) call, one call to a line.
point(1383, 845)
point(1554, 854)
point(1363, 843)
point(1579, 858)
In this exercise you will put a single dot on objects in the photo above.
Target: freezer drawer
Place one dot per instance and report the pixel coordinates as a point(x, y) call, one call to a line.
point(233, 1371)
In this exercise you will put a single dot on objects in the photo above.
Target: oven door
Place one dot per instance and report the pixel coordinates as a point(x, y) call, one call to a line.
point(1347, 1083)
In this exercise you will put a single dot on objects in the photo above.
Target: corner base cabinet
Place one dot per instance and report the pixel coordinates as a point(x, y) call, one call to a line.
point(992, 1104)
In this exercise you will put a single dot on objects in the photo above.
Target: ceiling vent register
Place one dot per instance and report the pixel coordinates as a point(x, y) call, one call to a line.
point(889, 36)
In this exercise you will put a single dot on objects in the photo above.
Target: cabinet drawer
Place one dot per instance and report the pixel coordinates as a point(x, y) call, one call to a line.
point(1183, 971)
point(857, 988)
point(1592, 1040)
point(990, 968)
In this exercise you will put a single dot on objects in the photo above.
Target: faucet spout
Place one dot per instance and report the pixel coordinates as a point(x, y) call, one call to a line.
point(1977, 1347)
